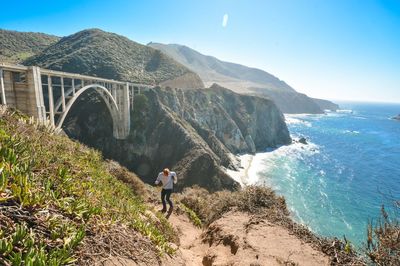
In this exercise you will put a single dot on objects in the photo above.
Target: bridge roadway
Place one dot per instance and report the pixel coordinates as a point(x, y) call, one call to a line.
point(48, 95)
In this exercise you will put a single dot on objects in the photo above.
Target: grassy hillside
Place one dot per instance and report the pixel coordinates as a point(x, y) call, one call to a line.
point(60, 203)
point(17, 46)
point(108, 55)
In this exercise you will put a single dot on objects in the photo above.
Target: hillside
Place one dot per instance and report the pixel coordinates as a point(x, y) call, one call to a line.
point(242, 79)
point(58, 204)
point(17, 46)
point(108, 55)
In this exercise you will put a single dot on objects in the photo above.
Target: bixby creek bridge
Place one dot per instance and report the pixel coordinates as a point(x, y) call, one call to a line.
point(49, 95)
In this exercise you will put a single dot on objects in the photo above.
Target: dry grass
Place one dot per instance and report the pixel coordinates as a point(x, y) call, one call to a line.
point(384, 239)
point(116, 241)
point(252, 199)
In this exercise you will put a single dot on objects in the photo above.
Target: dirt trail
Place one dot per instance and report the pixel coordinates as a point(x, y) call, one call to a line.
point(239, 239)
point(236, 238)
point(191, 249)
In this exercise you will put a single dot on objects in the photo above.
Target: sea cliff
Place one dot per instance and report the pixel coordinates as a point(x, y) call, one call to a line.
point(193, 131)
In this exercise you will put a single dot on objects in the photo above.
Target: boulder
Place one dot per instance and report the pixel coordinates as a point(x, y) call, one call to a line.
point(303, 140)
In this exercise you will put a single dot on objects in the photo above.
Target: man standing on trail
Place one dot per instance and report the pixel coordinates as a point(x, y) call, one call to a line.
point(168, 179)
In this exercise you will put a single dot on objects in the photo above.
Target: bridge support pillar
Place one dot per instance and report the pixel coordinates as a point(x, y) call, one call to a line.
point(2, 88)
point(122, 127)
point(36, 100)
point(22, 89)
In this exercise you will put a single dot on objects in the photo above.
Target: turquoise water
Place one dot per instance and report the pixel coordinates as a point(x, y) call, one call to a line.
point(338, 182)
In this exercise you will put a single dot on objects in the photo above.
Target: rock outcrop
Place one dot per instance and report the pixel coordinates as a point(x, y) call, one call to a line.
point(326, 105)
point(195, 132)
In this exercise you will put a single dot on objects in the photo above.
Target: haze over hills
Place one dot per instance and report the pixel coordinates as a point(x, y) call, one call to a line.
point(109, 55)
point(243, 79)
point(17, 46)
point(234, 76)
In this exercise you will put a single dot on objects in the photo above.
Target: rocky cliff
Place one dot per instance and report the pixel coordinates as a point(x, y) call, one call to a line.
point(193, 131)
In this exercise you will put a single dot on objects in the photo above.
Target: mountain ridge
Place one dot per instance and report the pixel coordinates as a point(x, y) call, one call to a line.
point(233, 70)
point(109, 55)
point(243, 79)
point(16, 46)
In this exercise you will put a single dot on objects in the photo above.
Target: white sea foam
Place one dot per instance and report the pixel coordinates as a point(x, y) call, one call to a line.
point(255, 166)
point(344, 111)
point(240, 176)
point(360, 117)
point(351, 132)
point(289, 119)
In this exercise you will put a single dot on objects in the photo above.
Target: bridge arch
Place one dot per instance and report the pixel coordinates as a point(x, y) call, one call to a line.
point(105, 95)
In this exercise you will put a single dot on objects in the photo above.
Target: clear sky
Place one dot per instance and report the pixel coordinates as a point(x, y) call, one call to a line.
point(335, 49)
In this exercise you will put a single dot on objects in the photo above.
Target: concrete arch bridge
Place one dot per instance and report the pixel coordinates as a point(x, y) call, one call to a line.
point(49, 95)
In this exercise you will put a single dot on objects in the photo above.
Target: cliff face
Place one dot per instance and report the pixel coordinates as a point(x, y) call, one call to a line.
point(194, 132)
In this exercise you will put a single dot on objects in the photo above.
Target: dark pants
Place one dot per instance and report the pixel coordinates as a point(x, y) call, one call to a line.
point(165, 194)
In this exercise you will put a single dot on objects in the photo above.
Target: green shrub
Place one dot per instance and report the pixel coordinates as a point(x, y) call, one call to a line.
point(54, 191)
point(192, 215)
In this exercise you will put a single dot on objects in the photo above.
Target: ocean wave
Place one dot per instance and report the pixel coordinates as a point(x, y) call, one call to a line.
point(351, 132)
point(290, 120)
point(283, 157)
point(345, 111)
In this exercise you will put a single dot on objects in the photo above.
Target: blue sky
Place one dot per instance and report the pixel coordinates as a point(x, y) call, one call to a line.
point(335, 49)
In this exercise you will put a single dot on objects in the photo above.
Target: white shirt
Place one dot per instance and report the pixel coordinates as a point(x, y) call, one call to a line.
point(167, 181)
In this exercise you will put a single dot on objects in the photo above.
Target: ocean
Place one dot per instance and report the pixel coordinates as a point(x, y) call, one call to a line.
point(339, 181)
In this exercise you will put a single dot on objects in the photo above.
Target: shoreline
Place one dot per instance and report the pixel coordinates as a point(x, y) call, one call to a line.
point(242, 175)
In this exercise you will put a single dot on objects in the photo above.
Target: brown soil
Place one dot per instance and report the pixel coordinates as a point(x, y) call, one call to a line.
point(238, 239)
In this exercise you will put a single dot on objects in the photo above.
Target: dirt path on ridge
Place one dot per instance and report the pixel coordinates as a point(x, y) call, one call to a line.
point(240, 239)
point(191, 249)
